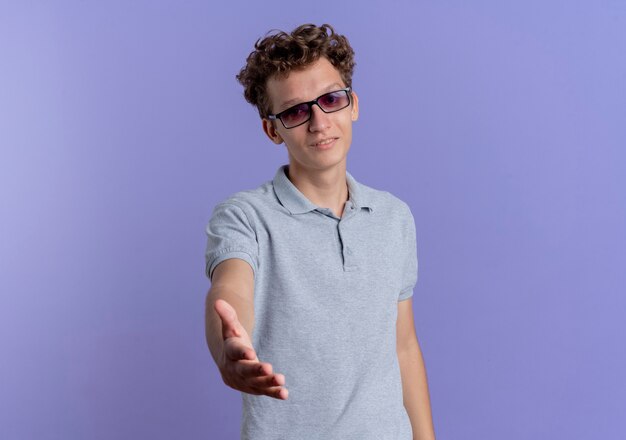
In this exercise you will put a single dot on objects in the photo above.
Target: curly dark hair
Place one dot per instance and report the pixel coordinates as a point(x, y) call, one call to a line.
point(278, 53)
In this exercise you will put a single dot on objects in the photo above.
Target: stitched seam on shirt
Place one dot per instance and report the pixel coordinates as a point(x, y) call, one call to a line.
point(230, 249)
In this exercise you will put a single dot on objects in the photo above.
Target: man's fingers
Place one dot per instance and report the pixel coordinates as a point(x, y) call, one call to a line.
point(254, 377)
point(278, 393)
point(251, 369)
point(272, 380)
point(230, 323)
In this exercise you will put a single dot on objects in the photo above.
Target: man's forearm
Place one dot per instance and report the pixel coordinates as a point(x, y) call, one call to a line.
point(213, 324)
point(415, 393)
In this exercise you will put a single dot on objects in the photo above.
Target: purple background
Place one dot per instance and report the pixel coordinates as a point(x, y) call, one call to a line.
point(500, 123)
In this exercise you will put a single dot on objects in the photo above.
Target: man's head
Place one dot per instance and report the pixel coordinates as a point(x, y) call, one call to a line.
point(304, 79)
point(280, 53)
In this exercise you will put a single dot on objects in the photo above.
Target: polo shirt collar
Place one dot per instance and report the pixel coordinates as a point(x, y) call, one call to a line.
point(296, 202)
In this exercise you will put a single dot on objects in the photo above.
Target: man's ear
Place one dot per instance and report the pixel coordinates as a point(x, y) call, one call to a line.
point(270, 130)
point(355, 106)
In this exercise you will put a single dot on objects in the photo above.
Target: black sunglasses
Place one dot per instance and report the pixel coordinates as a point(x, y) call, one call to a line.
point(301, 113)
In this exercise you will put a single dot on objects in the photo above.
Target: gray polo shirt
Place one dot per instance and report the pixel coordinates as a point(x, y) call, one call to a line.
point(326, 292)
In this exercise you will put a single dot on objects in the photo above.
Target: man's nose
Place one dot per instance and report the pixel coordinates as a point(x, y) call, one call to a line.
point(319, 120)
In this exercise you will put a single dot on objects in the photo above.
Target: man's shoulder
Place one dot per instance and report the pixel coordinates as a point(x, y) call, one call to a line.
point(384, 200)
point(251, 199)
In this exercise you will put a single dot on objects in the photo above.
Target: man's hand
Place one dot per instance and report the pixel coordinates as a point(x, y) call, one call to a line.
point(239, 365)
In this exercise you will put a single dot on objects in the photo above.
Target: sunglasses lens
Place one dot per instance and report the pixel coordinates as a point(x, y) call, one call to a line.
point(334, 101)
point(330, 102)
point(295, 115)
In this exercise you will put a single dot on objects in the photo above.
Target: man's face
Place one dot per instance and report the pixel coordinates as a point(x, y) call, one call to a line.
point(323, 142)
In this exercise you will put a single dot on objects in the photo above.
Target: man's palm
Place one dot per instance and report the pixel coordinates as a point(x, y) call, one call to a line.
point(240, 366)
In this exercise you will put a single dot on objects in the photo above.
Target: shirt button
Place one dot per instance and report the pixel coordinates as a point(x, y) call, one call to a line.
point(349, 251)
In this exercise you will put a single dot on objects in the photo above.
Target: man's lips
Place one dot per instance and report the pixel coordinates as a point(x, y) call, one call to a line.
point(324, 142)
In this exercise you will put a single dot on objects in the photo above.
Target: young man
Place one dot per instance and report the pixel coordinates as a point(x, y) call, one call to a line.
point(309, 314)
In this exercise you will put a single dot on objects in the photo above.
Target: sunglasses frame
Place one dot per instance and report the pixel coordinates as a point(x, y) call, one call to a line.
point(310, 104)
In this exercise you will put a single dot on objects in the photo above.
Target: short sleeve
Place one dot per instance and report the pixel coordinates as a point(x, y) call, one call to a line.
point(409, 272)
point(230, 235)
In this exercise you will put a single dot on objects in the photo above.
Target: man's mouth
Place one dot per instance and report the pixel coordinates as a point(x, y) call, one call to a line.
point(324, 142)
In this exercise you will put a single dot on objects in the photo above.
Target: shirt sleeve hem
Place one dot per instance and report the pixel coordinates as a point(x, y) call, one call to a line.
point(228, 254)
point(405, 294)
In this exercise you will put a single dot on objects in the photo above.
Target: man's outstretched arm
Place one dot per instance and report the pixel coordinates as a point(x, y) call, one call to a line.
point(413, 372)
point(229, 324)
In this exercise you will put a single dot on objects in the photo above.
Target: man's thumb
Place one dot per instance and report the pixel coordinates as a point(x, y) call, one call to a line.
point(228, 316)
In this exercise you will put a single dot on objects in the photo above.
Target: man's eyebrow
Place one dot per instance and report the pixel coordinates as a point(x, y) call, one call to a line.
point(334, 86)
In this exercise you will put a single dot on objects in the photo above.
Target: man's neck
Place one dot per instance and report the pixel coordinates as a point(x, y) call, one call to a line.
point(326, 188)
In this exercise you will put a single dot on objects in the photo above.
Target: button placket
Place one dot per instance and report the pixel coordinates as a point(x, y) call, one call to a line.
point(347, 252)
